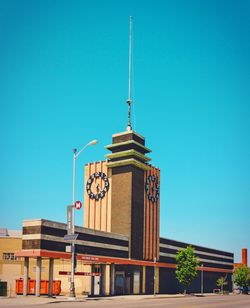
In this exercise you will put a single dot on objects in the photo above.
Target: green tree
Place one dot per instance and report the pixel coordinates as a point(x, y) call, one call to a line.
point(242, 277)
point(186, 267)
point(221, 282)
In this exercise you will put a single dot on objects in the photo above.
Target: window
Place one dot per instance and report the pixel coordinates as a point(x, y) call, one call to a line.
point(10, 256)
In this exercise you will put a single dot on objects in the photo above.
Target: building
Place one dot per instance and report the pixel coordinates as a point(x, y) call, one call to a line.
point(119, 250)
point(11, 267)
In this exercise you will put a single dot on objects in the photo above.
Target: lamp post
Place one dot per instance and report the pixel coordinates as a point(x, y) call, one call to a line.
point(75, 155)
point(201, 279)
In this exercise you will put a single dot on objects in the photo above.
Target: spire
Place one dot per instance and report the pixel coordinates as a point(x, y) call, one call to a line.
point(129, 127)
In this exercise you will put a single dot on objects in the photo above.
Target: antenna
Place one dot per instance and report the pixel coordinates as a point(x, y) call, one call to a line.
point(129, 127)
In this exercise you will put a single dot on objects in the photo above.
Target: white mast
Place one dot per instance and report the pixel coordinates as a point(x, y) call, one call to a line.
point(129, 127)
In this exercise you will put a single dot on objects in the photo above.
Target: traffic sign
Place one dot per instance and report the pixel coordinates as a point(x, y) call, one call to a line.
point(70, 237)
point(78, 205)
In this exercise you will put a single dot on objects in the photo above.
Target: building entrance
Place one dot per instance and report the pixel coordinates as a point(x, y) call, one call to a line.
point(96, 285)
point(96, 280)
point(120, 283)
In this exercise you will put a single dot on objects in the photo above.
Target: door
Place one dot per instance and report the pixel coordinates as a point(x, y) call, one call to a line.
point(119, 283)
point(96, 285)
point(127, 285)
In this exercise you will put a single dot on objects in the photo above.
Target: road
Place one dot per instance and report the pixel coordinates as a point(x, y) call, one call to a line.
point(187, 302)
point(230, 301)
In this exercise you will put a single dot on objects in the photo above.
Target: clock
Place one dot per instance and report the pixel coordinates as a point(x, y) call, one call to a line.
point(152, 188)
point(100, 190)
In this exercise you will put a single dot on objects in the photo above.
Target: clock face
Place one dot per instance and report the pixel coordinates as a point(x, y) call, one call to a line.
point(152, 188)
point(97, 185)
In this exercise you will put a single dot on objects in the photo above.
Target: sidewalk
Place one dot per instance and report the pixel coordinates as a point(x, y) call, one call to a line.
point(33, 300)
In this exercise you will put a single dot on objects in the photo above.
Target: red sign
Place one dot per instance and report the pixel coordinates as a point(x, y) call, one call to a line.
point(88, 258)
point(78, 205)
point(79, 273)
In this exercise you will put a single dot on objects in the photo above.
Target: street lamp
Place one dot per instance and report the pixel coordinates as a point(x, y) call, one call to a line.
point(75, 155)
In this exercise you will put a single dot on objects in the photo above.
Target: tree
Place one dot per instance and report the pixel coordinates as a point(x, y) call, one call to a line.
point(187, 263)
point(221, 282)
point(242, 277)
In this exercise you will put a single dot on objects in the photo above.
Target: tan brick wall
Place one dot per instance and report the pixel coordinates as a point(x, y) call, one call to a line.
point(10, 270)
point(97, 213)
point(82, 283)
point(121, 203)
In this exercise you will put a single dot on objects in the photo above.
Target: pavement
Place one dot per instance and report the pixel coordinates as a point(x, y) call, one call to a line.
point(43, 300)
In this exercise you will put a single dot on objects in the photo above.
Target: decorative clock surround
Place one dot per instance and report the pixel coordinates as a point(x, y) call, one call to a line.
point(99, 193)
point(152, 188)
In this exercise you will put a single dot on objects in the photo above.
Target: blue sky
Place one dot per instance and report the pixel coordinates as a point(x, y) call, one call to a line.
point(63, 81)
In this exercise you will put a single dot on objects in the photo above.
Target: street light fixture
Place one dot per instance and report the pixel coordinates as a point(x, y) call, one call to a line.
point(75, 155)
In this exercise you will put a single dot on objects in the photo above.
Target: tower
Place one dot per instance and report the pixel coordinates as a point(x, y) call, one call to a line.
point(122, 193)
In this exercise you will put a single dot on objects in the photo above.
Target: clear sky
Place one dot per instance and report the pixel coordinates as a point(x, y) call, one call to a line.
point(63, 82)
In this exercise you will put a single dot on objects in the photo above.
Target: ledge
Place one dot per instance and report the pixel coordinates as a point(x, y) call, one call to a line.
point(127, 162)
point(127, 153)
point(116, 145)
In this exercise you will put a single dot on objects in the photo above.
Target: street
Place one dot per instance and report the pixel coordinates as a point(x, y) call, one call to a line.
point(229, 301)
